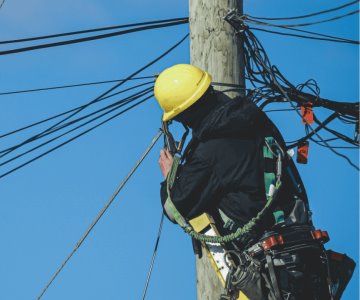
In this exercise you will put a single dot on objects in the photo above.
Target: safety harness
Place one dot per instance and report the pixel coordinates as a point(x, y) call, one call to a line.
point(271, 151)
point(274, 248)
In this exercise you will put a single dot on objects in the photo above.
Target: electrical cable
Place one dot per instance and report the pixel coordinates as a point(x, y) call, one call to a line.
point(279, 110)
point(111, 89)
point(114, 107)
point(272, 77)
point(72, 85)
point(260, 71)
point(330, 37)
point(233, 18)
point(90, 31)
point(309, 15)
point(66, 112)
point(337, 134)
point(337, 40)
point(100, 214)
point(313, 132)
point(91, 38)
point(309, 23)
point(319, 36)
point(125, 80)
point(153, 257)
point(71, 139)
point(128, 99)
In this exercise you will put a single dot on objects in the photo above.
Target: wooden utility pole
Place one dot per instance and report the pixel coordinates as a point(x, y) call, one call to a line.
point(215, 48)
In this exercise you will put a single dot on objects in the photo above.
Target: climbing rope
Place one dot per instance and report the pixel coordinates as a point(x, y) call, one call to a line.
point(101, 213)
point(153, 257)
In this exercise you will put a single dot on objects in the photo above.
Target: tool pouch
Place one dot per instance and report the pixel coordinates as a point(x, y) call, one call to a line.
point(247, 278)
point(341, 268)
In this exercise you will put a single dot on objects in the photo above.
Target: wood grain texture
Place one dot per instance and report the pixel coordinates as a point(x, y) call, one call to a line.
point(214, 48)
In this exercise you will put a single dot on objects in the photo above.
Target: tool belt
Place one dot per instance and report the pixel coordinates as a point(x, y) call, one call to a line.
point(288, 239)
point(274, 268)
point(257, 272)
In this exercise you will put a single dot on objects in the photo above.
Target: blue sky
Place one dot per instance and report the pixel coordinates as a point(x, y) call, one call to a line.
point(46, 206)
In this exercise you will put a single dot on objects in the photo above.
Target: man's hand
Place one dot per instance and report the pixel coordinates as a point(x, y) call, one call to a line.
point(165, 161)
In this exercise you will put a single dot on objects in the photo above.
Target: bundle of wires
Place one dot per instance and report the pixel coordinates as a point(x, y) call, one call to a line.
point(85, 37)
point(76, 122)
point(270, 86)
point(292, 29)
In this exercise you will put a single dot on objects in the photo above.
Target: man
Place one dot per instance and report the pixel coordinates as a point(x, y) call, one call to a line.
point(225, 173)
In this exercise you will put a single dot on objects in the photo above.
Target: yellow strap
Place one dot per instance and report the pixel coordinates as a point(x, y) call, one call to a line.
point(199, 224)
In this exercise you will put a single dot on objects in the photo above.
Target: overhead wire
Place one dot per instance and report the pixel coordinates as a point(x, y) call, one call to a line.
point(259, 71)
point(92, 38)
point(86, 105)
point(272, 77)
point(128, 99)
point(99, 98)
point(319, 38)
point(309, 15)
point(99, 215)
point(73, 138)
point(109, 109)
point(66, 112)
point(248, 18)
point(124, 81)
point(233, 16)
point(51, 36)
point(72, 85)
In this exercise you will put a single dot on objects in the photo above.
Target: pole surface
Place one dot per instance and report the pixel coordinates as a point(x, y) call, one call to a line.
point(215, 48)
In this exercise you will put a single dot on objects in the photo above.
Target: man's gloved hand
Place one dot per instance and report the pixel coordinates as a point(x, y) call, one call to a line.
point(165, 161)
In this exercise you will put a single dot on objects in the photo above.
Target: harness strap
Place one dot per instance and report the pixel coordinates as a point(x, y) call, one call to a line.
point(271, 195)
point(270, 176)
point(272, 274)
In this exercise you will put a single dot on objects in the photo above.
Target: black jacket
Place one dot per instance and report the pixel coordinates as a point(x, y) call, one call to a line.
point(224, 165)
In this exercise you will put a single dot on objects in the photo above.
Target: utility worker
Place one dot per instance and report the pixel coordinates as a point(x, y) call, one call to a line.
point(234, 166)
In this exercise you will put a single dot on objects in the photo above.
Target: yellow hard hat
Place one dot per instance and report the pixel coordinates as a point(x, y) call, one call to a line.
point(179, 87)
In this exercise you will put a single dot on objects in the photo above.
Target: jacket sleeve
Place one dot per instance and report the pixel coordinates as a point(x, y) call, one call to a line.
point(194, 188)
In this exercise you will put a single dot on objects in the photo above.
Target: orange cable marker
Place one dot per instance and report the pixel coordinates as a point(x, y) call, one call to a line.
point(307, 114)
point(302, 153)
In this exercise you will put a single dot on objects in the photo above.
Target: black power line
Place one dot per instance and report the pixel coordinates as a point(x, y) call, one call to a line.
point(90, 31)
point(73, 138)
point(108, 109)
point(308, 15)
point(318, 36)
point(92, 38)
point(67, 112)
point(124, 81)
point(102, 96)
point(271, 75)
point(72, 85)
point(86, 105)
point(233, 17)
point(334, 39)
point(314, 22)
point(260, 71)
